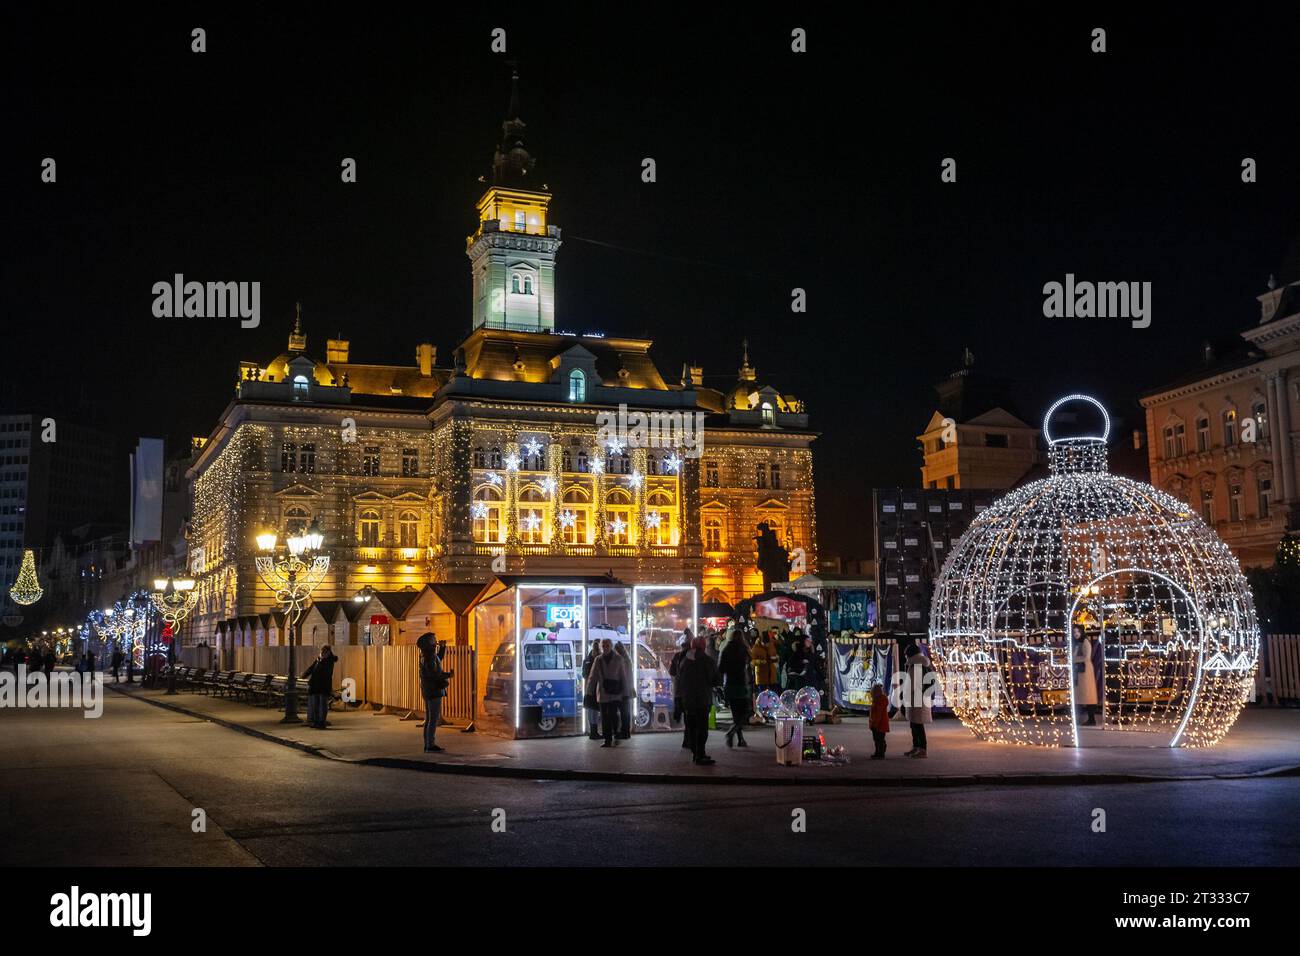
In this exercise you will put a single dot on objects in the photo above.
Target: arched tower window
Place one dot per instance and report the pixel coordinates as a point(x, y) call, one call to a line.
point(577, 386)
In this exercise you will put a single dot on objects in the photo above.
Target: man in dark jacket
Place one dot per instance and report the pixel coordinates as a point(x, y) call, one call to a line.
point(116, 662)
point(433, 686)
point(589, 702)
point(697, 675)
point(320, 687)
point(733, 664)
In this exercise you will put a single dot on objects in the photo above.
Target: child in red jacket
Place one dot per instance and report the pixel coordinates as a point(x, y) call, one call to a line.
point(879, 722)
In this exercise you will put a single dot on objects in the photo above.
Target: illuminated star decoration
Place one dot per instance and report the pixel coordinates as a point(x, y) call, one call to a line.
point(478, 509)
point(512, 462)
point(567, 519)
point(597, 465)
point(652, 519)
point(635, 479)
point(618, 525)
point(532, 522)
point(615, 446)
point(533, 446)
point(492, 478)
point(548, 485)
point(671, 464)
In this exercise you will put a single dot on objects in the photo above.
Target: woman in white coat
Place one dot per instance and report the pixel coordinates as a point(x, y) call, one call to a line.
point(920, 681)
point(1089, 671)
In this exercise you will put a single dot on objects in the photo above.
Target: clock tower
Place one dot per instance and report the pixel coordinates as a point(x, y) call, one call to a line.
point(512, 252)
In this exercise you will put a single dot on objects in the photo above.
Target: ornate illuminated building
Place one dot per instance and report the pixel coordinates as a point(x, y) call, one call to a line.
point(1223, 438)
point(498, 463)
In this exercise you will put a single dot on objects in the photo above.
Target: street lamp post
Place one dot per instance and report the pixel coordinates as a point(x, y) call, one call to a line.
point(173, 598)
point(292, 574)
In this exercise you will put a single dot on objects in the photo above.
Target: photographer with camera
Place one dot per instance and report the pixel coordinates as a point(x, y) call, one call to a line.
point(433, 686)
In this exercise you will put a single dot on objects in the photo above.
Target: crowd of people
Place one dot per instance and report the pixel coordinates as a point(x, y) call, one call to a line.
point(730, 668)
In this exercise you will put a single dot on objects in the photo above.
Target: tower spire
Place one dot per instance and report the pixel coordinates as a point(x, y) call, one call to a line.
point(747, 373)
point(512, 163)
point(297, 341)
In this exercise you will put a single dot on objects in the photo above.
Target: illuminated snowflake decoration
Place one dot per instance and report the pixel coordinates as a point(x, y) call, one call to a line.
point(548, 485)
point(492, 478)
point(478, 510)
point(532, 522)
point(511, 462)
point(1085, 592)
point(634, 479)
point(533, 447)
point(618, 525)
point(652, 519)
point(597, 465)
point(672, 464)
point(615, 446)
point(567, 519)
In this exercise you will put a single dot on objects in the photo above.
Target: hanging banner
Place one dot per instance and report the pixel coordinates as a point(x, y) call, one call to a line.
point(860, 664)
point(855, 611)
point(782, 609)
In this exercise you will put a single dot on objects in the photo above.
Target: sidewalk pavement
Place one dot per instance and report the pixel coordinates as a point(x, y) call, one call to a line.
point(1263, 742)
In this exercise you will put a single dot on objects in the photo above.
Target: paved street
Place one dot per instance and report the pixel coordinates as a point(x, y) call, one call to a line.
point(121, 790)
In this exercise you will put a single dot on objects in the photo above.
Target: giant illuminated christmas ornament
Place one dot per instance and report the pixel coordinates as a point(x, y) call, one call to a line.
point(1086, 605)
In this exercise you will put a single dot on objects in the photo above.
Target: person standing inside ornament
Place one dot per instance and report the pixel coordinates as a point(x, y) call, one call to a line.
point(919, 672)
point(1089, 674)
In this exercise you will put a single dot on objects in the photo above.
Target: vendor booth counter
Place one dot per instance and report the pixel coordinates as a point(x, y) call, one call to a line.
point(532, 635)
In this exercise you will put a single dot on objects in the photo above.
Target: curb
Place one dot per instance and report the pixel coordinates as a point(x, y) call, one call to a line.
point(633, 777)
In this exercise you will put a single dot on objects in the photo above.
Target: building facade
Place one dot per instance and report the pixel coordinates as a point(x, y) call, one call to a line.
point(534, 451)
point(1224, 438)
point(974, 439)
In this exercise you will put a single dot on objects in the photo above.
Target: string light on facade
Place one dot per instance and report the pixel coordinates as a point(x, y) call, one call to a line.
point(27, 588)
point(1087, 556)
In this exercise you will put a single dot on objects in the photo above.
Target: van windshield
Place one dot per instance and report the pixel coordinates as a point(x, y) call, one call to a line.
point(548, 656)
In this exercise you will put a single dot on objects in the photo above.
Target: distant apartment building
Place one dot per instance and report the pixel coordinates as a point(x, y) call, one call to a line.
point(974, 439)
point(48, 488)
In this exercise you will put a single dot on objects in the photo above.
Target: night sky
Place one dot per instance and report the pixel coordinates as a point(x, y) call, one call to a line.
point(775, 170)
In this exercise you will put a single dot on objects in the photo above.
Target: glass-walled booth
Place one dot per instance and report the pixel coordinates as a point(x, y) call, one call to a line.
point(532, 636)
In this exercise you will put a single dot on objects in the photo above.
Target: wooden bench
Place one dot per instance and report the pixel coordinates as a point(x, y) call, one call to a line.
point(259, 688)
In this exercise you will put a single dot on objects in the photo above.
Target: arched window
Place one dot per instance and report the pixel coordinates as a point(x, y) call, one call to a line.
point(618, 509)
point(408, 530)
point(532, 515)
point(486, 512)
point(514, 283)
point(769, 414)
point(528, 285)
point(1229, 427)
point(661, 519)
point(300, 386)
point(582, 460)
point(369, 529)
point(712, 533)
point(575, 516)
point(1260, 411)
point(296, 520)
point(480, 457)
point(577, 386)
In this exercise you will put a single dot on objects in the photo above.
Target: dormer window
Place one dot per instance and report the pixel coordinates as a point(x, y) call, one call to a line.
point(577, 386)
point(300, 386)
point(769, 414)
point(521, 220)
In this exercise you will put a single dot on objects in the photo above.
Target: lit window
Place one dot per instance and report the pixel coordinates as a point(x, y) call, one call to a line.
point(1261, 420)
point(370, 461)
point(486, 511)
point(296, 520)
point(369, 529)
point(408, 530)
point(1229, 427)
point(769, 414)
point(713, 534)
point(300, 386)
point(577, 386)
point(410, 462)
point(307, 459)
point(521, 220)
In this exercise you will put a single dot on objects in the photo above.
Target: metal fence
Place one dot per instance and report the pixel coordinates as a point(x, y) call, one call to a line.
point(1278, 678)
